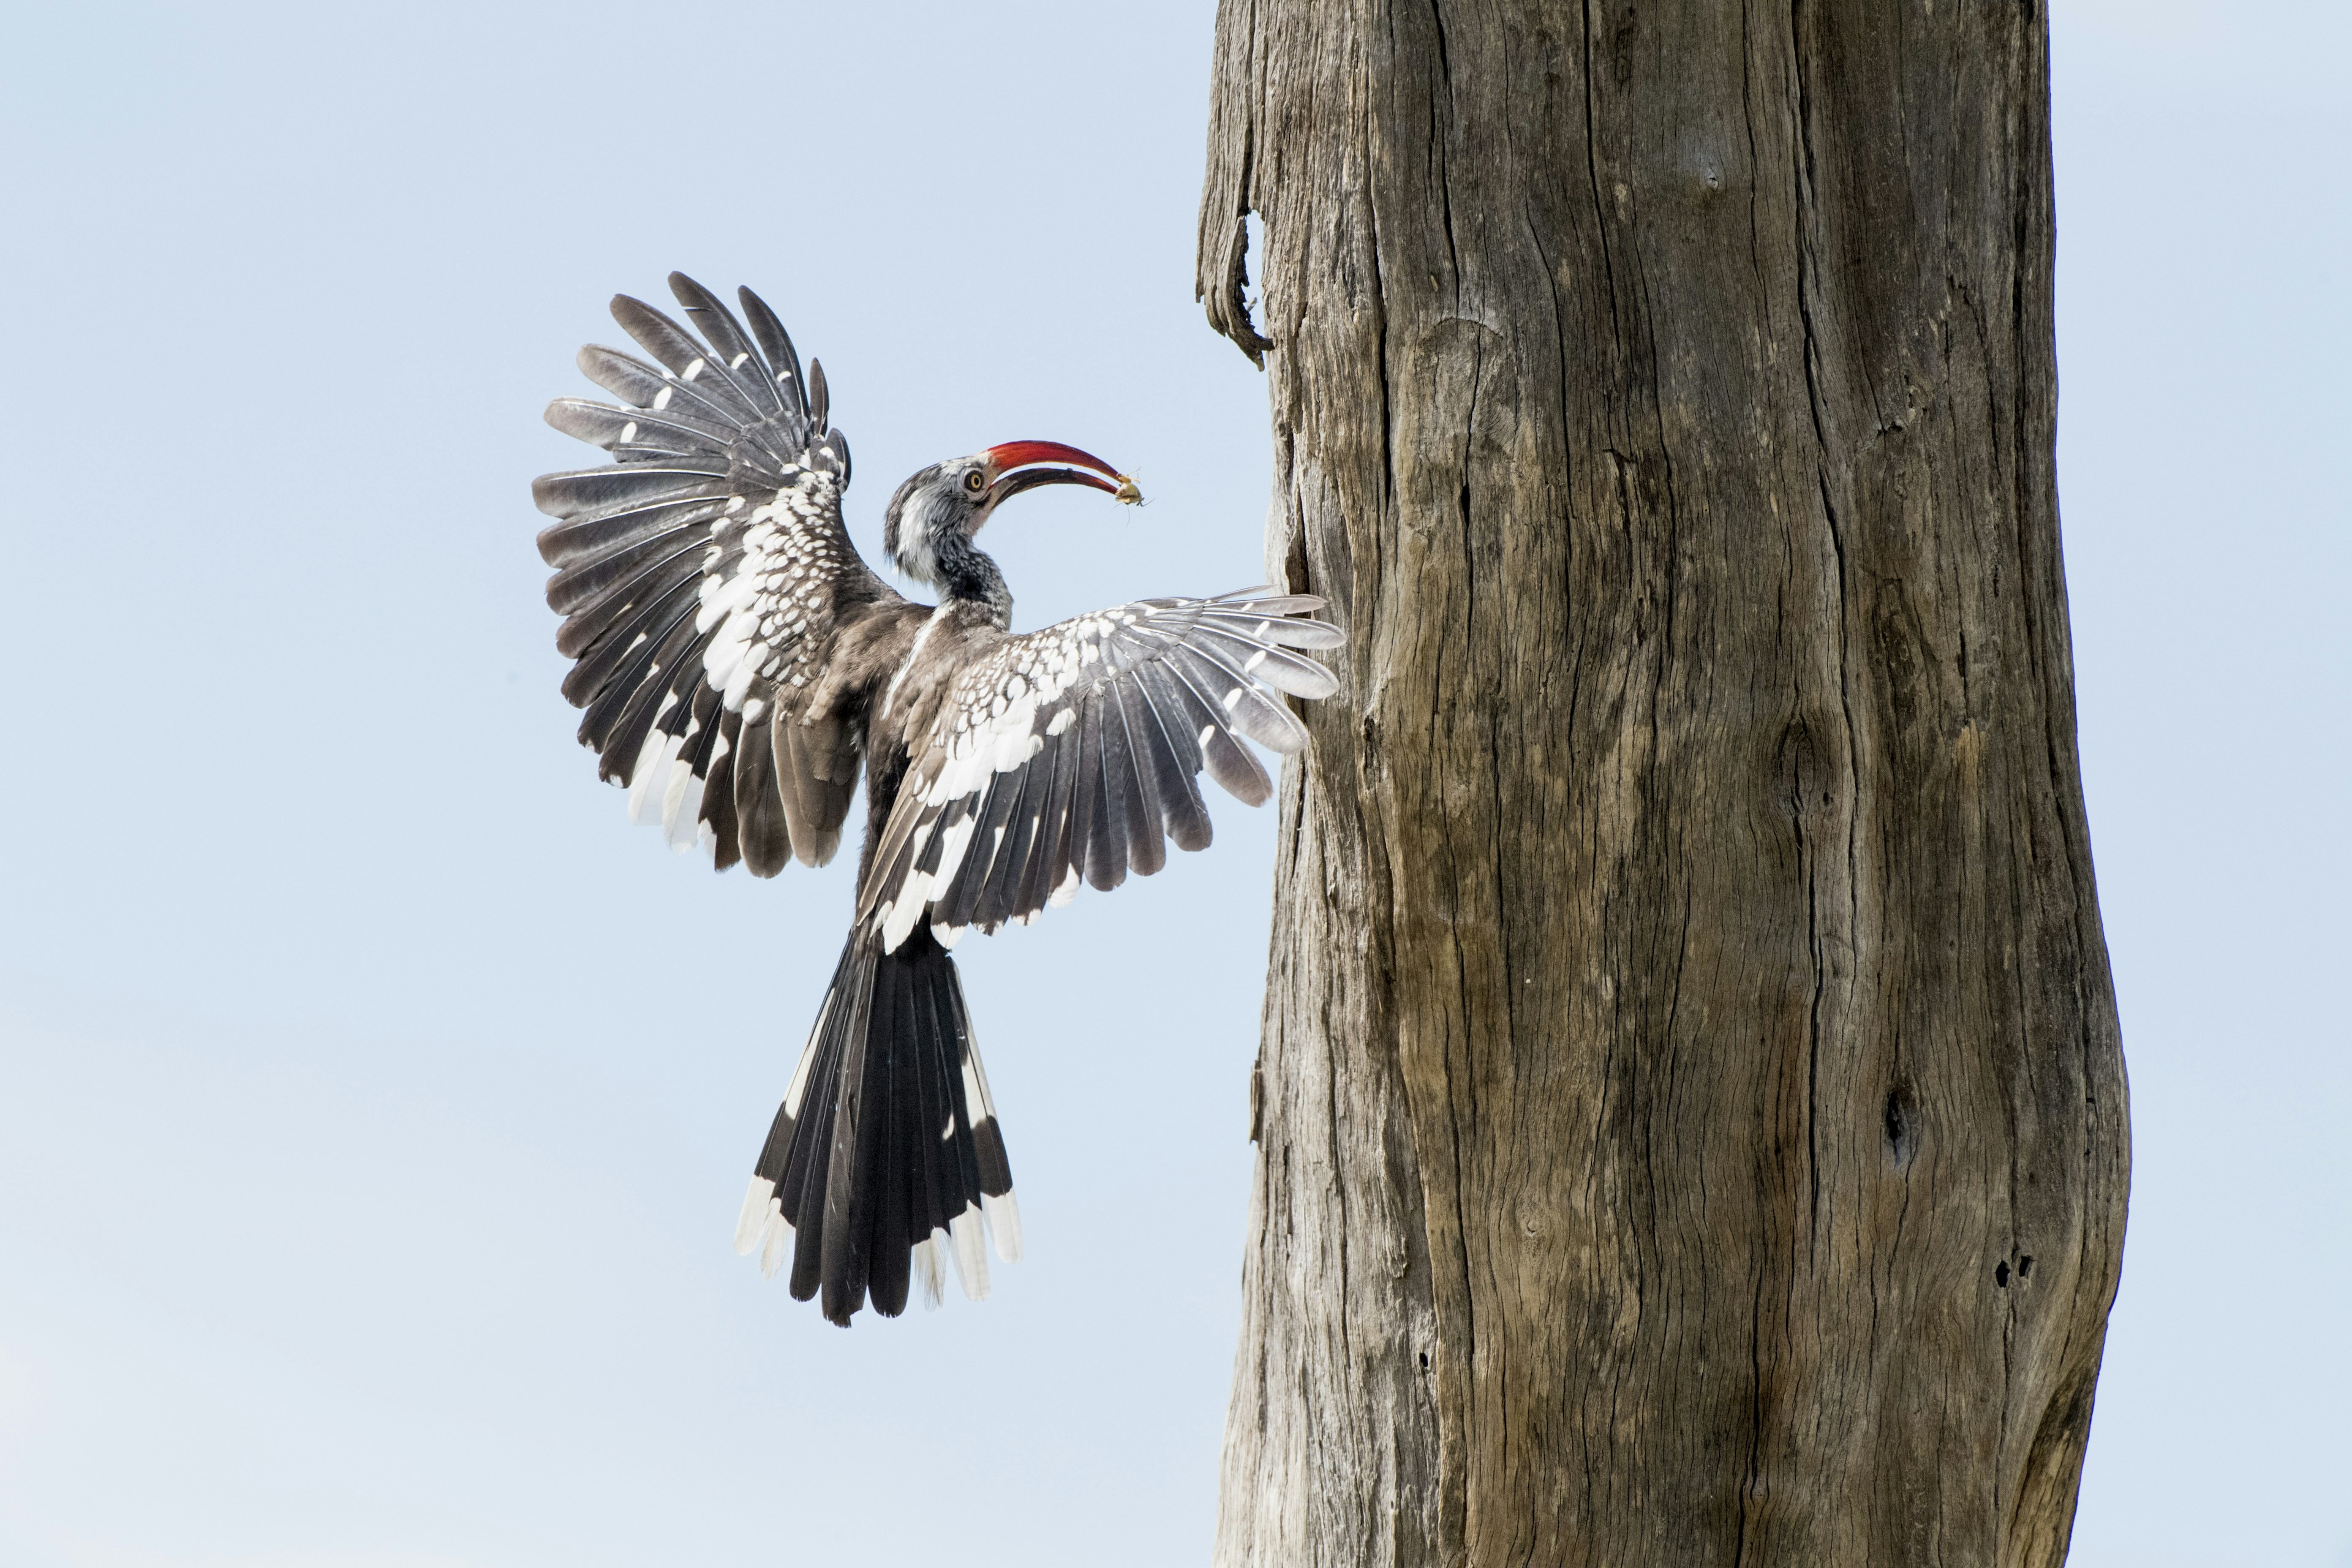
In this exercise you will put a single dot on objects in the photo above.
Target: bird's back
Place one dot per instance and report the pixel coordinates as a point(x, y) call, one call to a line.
point(906, 700)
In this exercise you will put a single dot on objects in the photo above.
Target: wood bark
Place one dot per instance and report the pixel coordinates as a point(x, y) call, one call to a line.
point(1690, 1119)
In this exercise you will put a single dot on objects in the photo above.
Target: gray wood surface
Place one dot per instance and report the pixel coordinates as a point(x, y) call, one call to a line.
point(1691, 1116)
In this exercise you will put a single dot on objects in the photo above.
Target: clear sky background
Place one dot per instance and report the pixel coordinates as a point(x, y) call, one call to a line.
point(374, 1104)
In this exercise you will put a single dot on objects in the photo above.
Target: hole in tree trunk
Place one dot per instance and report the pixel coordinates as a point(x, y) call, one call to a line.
point(1902, 1125)
point(1253, 269)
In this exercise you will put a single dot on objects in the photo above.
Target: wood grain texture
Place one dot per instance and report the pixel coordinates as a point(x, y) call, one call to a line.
point(1691, 1116)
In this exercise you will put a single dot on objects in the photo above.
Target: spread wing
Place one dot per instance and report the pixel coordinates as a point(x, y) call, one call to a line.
point(705, 577)
point(1069, 753)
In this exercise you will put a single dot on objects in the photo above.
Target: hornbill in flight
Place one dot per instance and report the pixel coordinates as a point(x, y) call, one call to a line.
point(739, 661)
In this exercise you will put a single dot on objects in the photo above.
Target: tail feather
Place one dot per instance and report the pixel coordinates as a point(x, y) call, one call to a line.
point(886, 1153)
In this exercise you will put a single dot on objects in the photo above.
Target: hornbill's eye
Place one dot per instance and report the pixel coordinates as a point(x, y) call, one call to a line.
point(975, 481)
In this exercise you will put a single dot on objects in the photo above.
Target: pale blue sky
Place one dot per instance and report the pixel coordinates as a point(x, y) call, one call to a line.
point(374, 1104)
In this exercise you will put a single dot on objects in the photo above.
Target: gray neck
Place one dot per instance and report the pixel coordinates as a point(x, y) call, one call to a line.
point(965, 571)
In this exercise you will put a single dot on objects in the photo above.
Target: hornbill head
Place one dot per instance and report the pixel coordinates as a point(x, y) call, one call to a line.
point(936, 512)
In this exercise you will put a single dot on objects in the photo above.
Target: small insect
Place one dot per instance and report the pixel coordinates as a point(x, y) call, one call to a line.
point(1126, 493)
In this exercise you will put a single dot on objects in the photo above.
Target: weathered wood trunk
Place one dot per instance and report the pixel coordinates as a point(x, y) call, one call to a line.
point(1691, 1117)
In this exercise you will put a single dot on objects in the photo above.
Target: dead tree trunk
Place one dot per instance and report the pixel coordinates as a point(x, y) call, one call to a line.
point(1691, 1119)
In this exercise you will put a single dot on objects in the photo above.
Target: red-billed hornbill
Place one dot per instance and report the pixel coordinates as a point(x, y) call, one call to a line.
point(738, 661)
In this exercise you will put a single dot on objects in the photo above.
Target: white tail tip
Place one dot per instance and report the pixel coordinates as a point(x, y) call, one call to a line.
point(751, 1225)
point(1004, 1226)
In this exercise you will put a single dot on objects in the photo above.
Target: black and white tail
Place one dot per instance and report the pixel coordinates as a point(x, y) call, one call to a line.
point(886, 1152)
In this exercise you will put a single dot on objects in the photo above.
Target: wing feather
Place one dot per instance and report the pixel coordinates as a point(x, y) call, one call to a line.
point(1049, 862)
point(717, 807)
point(760, 824)
point(1072, 753)
point(995, 904)
point(633, 727)
point(1247, 709)
point(1107, 737)
point(1086, 797)
point(1147, 849)
point(744, 366)
point(568, 495)
point(641, 385)
point(1277, 667)
point(682, 791)
point(634, 434)
point(776, 345)
point(643, 620)
point(1176, 755)
point(611, 529)
point(693, 366)
point(608, 702)
point(706, 580)
point(599, 581)
point(991, 823)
